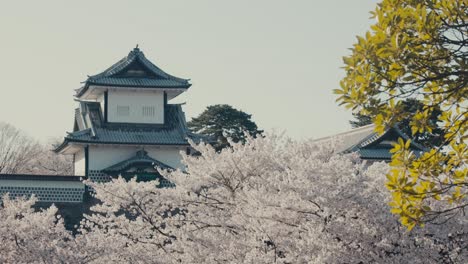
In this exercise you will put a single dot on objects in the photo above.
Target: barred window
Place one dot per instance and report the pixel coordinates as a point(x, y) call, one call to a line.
point(148, 111)
point(123, 110)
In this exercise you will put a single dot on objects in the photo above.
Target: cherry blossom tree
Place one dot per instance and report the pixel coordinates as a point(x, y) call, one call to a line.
point(133, 224)
point(29, 236)
point(270, 200)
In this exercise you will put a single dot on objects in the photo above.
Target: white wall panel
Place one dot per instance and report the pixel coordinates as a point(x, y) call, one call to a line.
point(138, 103)
point(80, 163)
point(101, 157)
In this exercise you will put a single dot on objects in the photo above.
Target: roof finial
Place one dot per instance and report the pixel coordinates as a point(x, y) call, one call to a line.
point(135, 52)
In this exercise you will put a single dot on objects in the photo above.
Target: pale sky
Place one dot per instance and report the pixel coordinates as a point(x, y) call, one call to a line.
point(277, 60)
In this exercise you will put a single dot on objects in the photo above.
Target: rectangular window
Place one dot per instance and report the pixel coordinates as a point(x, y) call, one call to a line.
point(123, 110)
point(148, 111)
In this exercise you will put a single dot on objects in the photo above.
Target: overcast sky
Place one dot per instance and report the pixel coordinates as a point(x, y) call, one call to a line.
point(277, 60)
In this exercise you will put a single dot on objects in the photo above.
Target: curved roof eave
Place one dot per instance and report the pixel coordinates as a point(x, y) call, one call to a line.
point(81, 91)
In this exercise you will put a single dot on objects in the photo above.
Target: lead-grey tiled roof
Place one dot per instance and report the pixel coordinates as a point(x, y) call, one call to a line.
point(174, 132)
point(380, 153)
point(158, 78)
point(136, 82)
point(375, 154)
point(161, 137)
point(352, 138)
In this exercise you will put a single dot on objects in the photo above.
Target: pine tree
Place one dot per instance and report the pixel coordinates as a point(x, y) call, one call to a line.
point(223, 121)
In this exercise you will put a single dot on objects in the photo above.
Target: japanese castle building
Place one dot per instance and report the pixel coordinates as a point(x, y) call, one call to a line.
point(124, 125)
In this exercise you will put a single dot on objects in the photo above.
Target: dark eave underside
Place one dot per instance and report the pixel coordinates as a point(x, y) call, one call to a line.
point(124, 143)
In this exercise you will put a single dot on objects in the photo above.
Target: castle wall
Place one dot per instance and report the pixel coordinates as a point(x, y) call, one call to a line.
point(47, 189)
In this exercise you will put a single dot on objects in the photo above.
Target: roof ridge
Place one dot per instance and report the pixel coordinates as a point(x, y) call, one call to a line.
point(348, 132)
point(365, 141)
point(136, 54)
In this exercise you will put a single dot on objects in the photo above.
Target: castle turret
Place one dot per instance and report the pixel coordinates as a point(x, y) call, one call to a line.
point(122, 111)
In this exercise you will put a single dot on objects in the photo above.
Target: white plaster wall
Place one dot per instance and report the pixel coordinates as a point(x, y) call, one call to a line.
point(80, 166)
point(101, 157)
point(136, 100)
point(169, 156)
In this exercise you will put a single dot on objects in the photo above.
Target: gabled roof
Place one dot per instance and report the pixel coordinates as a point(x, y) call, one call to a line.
point(370, 145)
point(93, 129)
point(141, 158)
point(135, 70)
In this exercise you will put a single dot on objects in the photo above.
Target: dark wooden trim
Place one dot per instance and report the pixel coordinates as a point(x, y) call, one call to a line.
point(74, 159)
point(75, 126)
point(115, 125)
point(164, 108)
point(86, 154)
point(106, 105)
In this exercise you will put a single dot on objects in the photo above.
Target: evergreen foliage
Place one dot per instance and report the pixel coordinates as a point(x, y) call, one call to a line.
point(419, 50)
point(224, 121)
